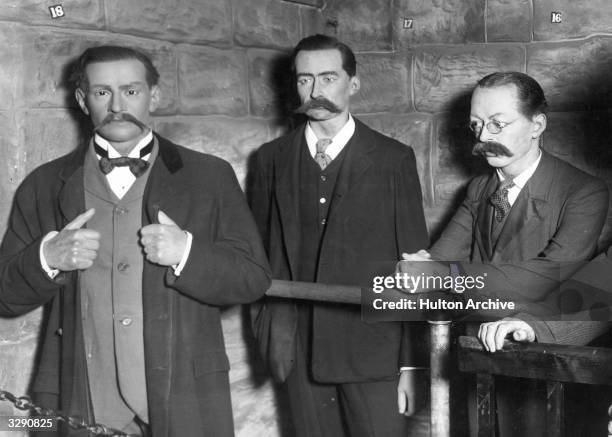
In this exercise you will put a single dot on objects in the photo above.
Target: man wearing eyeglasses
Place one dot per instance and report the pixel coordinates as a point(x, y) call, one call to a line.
point(519, 224)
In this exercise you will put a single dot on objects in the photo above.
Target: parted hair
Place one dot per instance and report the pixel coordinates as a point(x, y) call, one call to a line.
point(107, 54)
point(324, 42)
point(531, 96)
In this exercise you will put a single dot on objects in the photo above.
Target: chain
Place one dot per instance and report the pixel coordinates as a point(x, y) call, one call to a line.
point(74, 422)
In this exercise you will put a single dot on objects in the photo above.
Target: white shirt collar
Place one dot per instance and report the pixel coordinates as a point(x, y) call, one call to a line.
point(338, 141)
point(134, 153)
point(525, 175)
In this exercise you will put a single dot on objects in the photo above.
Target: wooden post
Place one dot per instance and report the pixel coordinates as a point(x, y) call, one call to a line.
point(439, 334)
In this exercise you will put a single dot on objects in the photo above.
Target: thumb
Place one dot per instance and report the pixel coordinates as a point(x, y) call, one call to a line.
point(520, 335)
point(80, 220)
point(163, 219)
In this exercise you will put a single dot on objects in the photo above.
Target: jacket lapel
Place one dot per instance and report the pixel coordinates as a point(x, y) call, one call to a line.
point(484, 218)
point(287, 186)
point(72, 194)
point(356, 162)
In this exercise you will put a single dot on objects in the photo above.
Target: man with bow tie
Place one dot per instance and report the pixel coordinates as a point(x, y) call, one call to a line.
point(336, 203)
point(523, 227)
point(135, 243)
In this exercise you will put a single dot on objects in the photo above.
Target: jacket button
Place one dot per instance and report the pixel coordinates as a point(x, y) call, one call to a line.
point(122, 267)
point(126, 322)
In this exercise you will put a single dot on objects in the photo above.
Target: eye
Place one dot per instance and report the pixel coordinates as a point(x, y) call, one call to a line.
point(475, 126)
point(329, 78)
point(498, 124)
point(132, 92)
point(101, 93)
point(302, 81)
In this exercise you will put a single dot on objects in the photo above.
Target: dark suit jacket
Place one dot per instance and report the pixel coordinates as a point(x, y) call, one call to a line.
point(375, 214)
point(555, 322)
point(185, 359)
point(555, 222)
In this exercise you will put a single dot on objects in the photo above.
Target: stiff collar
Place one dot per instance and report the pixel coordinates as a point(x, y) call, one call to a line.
point(338, 141)
point(134, 153)
point(525, 175)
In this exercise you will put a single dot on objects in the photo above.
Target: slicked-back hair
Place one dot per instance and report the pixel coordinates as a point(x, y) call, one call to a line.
point(324, 42)
point(530, 94)
point(108, 54)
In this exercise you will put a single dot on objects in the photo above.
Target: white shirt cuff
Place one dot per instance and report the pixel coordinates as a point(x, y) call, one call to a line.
point(413, 368)
point(179, 267)
point(52, 273)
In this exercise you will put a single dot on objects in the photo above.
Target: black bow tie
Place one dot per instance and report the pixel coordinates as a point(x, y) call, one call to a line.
point(138, 166)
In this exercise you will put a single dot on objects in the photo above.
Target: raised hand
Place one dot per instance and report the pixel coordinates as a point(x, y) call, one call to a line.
point(73, 248)
point(163, 243)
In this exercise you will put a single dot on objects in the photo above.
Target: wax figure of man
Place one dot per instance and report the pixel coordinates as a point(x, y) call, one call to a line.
point(521, 224)
point(335, 202)
point(135, 243)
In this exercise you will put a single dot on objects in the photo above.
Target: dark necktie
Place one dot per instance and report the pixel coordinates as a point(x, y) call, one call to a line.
point(137, 165)
point(322, 158)
point(499, 199)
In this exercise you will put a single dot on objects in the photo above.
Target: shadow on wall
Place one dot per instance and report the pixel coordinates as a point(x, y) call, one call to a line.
point(455, 161)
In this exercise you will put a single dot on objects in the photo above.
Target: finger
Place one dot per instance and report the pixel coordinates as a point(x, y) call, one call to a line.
point(80, 220)
point(502, 331)
point(519, 335)
point(87, 244)
point(424, 253)
point(151, 229)
point(482, 335)
point(401, 402)
point(490, 337)
point(163, 219)
point(86, 234)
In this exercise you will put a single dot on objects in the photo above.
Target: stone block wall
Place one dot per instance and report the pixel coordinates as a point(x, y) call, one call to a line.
point(221, 63)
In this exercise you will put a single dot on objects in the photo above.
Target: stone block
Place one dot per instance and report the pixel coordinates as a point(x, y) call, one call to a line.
point(270, 83)
point(313, 21)
point(509, 20)
point(444, 78)
point(11, 168)
point(363, 25)
point(578, 19)
point(12, 70)
point(415, 131)
point(83, 14)
point(193, 21)
point(51, 133)
point(212, 81)
point(227, 138)
point(49, 55)
point(16, 367)
point(385, 83)
point(266, 23)
point(439, 22)
point(574, 75)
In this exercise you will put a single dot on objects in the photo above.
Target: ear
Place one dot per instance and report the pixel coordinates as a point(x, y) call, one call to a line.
point(155, 98)
point(539, 125)
point(79, 94)
point(354, 85)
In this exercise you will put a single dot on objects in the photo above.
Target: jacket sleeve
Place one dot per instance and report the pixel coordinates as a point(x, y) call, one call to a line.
point(24, 285)
point(232, 268)
point(411, 231)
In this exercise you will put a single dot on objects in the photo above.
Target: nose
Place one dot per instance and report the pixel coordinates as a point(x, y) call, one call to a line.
point(316, 88)
point(116, 103)
point(484, 135)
